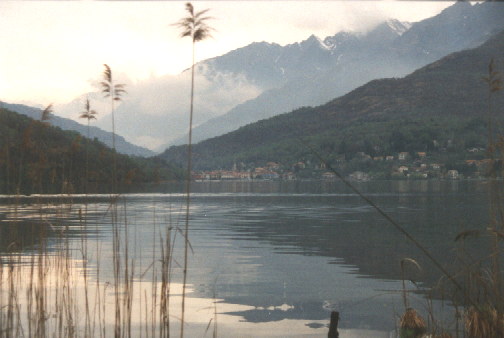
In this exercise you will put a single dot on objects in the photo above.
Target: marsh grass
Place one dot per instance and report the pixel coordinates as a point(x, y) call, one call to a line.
point(51, 279)
point(53, 286)
point(412, 324)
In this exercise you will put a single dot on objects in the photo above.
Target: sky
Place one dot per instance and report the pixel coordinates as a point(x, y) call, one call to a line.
point(52, 52)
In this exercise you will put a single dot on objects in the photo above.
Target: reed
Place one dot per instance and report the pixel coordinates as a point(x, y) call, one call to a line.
point(48, 285)
point(114, 91)
point(412, 325)
point(88, 114)
point(50, 290)
point(196, 28)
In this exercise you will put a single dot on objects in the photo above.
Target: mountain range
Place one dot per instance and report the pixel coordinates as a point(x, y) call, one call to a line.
point(315, 71)
point(263, 79)
point(444, 105)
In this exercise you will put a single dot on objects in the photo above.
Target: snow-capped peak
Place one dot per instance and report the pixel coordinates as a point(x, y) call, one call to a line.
point(398, 26)
point(315, 40)
point(332, 42)
point(323, 44)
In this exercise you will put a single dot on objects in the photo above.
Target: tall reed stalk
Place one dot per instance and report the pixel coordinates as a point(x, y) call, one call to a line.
point(114, 91)
point(196, 28)
point(88, 114)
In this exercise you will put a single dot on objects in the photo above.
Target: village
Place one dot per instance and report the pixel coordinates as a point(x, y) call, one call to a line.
point(361, 167)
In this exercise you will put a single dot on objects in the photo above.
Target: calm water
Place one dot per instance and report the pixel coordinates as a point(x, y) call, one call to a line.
point(275, 253)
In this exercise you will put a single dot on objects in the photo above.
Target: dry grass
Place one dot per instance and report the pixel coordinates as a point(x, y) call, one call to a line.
point(484, 323)
point(412, 325)
point(52, 292)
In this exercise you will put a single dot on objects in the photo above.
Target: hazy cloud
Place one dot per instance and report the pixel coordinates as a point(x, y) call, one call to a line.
point(50, 50)
point(55, 51)
point(155, 110)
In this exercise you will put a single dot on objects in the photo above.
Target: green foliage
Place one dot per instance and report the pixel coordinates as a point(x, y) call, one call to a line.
point(441, 137)
point(38, 158)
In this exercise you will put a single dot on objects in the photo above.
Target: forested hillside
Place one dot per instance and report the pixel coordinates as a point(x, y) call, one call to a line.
point(122, 146)
point(36, 157)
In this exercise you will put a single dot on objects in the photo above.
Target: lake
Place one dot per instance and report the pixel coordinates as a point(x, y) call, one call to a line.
point(268, 258)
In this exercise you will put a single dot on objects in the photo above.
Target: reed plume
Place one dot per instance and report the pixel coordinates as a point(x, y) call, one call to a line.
point(114, 91)
point(195, 27)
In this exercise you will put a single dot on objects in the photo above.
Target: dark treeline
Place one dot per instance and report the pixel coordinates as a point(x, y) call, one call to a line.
point(36, 157)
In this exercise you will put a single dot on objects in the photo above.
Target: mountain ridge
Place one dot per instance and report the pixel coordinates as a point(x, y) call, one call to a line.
point(442, 99)
point(122, 146)
point(264, 79)
point(356, 68)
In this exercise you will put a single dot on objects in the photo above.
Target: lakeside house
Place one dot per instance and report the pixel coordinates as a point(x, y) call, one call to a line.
point(475, 150)
point(453, 174)
point(404, 165)
point(273, 165)
point(359, 176)
point(329, 176)
point(403, 156)
point(403, 169)
point(289, 176)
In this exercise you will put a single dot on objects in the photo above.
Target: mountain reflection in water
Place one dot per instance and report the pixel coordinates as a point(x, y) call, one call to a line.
point(291, 250)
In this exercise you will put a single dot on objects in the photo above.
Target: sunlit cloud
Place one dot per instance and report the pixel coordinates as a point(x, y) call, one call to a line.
point(54, 51)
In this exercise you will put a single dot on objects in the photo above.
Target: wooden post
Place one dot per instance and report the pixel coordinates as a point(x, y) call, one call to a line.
point(333, 326)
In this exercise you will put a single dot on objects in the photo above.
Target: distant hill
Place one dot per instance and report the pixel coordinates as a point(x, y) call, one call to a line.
point(443, 105)
point(122, 145)
point(36, 157)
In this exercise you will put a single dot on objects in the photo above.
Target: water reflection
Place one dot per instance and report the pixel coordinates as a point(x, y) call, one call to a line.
point(27, 223)
point(21, 235)
point(285, 251)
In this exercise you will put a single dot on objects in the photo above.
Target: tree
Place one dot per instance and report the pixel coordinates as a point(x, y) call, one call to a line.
point(195, 27)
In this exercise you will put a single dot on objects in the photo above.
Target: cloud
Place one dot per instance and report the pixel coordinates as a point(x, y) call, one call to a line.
point(55, 51)
point(152, 142)
point(155, 111)
point(50, 50)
